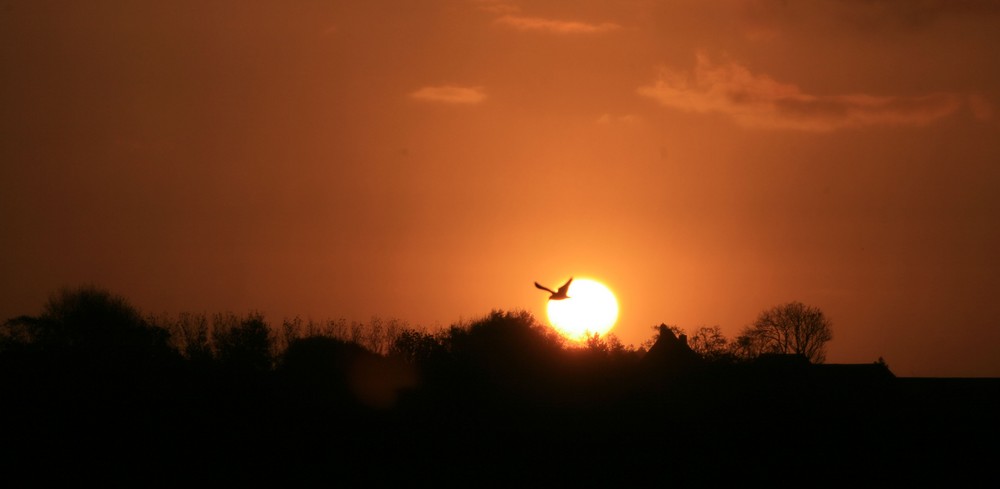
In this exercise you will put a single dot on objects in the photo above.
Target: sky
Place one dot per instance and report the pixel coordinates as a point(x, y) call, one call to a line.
point(429, 160)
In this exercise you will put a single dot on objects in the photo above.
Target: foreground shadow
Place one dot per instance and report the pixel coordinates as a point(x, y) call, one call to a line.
point(91, 391)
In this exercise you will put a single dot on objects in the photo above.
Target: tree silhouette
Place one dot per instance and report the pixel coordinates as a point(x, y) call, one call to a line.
point(88, 367)
point(499, 396)
point(416, 346)
point(244, 344)
point(710, 343)
point(89, 322)
point(504, 353)
point(608, 344)
point(320, 366)
point(191, 335)
point(788, 328)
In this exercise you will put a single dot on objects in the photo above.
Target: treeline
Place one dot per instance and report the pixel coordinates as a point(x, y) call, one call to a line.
point(89, 329)
point(93, 390)
point(99, 391)
point(89, 316)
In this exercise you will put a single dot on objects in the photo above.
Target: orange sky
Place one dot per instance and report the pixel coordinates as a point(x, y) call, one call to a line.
point(429, 160)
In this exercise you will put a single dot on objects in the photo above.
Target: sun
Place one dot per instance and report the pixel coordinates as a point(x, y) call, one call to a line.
point(591, 308)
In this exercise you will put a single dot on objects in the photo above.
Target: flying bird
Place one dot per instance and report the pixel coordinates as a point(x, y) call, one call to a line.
point(556, 296)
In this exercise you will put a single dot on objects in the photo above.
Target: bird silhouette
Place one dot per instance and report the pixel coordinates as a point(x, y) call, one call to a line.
point(556, 296)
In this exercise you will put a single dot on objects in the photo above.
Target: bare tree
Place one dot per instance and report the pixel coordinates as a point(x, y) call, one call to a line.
point(709, 342)
point(788, 328)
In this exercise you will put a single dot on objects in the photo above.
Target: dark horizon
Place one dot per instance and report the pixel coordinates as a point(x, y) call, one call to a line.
point(96, 392)
point(352, 330)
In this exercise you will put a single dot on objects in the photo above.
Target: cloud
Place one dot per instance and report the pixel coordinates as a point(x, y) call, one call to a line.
point(555, 26)
point(498, 7)
point(450, 94)
point(759, 101)
point(608, 119)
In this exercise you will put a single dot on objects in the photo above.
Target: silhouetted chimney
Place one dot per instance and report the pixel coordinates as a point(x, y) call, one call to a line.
point(670, 352)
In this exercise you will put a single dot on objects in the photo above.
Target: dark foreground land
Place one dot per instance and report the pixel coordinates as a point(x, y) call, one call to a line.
point(498, 407)
point(178, 429)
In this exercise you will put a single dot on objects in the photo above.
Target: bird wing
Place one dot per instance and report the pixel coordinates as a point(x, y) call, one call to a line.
point(565, 287)
point(540, 286)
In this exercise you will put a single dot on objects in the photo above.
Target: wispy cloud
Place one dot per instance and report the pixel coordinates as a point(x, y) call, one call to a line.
point(555, 26)
point(499, 7)
point(450, 94)
point(608, 119)
point(755, 100)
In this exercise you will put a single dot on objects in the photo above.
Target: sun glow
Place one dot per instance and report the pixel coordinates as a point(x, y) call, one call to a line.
point(591, 308)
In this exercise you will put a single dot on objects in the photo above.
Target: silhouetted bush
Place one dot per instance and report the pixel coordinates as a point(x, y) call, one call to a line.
point(335, 371)
point(87, 368)
point(417, 347)
point(507, 353)
point(244, 343)
point(317, 367)
point(92, 325)
point(191, 335)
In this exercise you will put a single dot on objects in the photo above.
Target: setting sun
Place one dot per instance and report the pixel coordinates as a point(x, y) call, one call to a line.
point(590, 308)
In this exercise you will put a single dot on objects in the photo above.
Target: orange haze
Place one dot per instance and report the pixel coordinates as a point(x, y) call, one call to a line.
point(429, 160)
